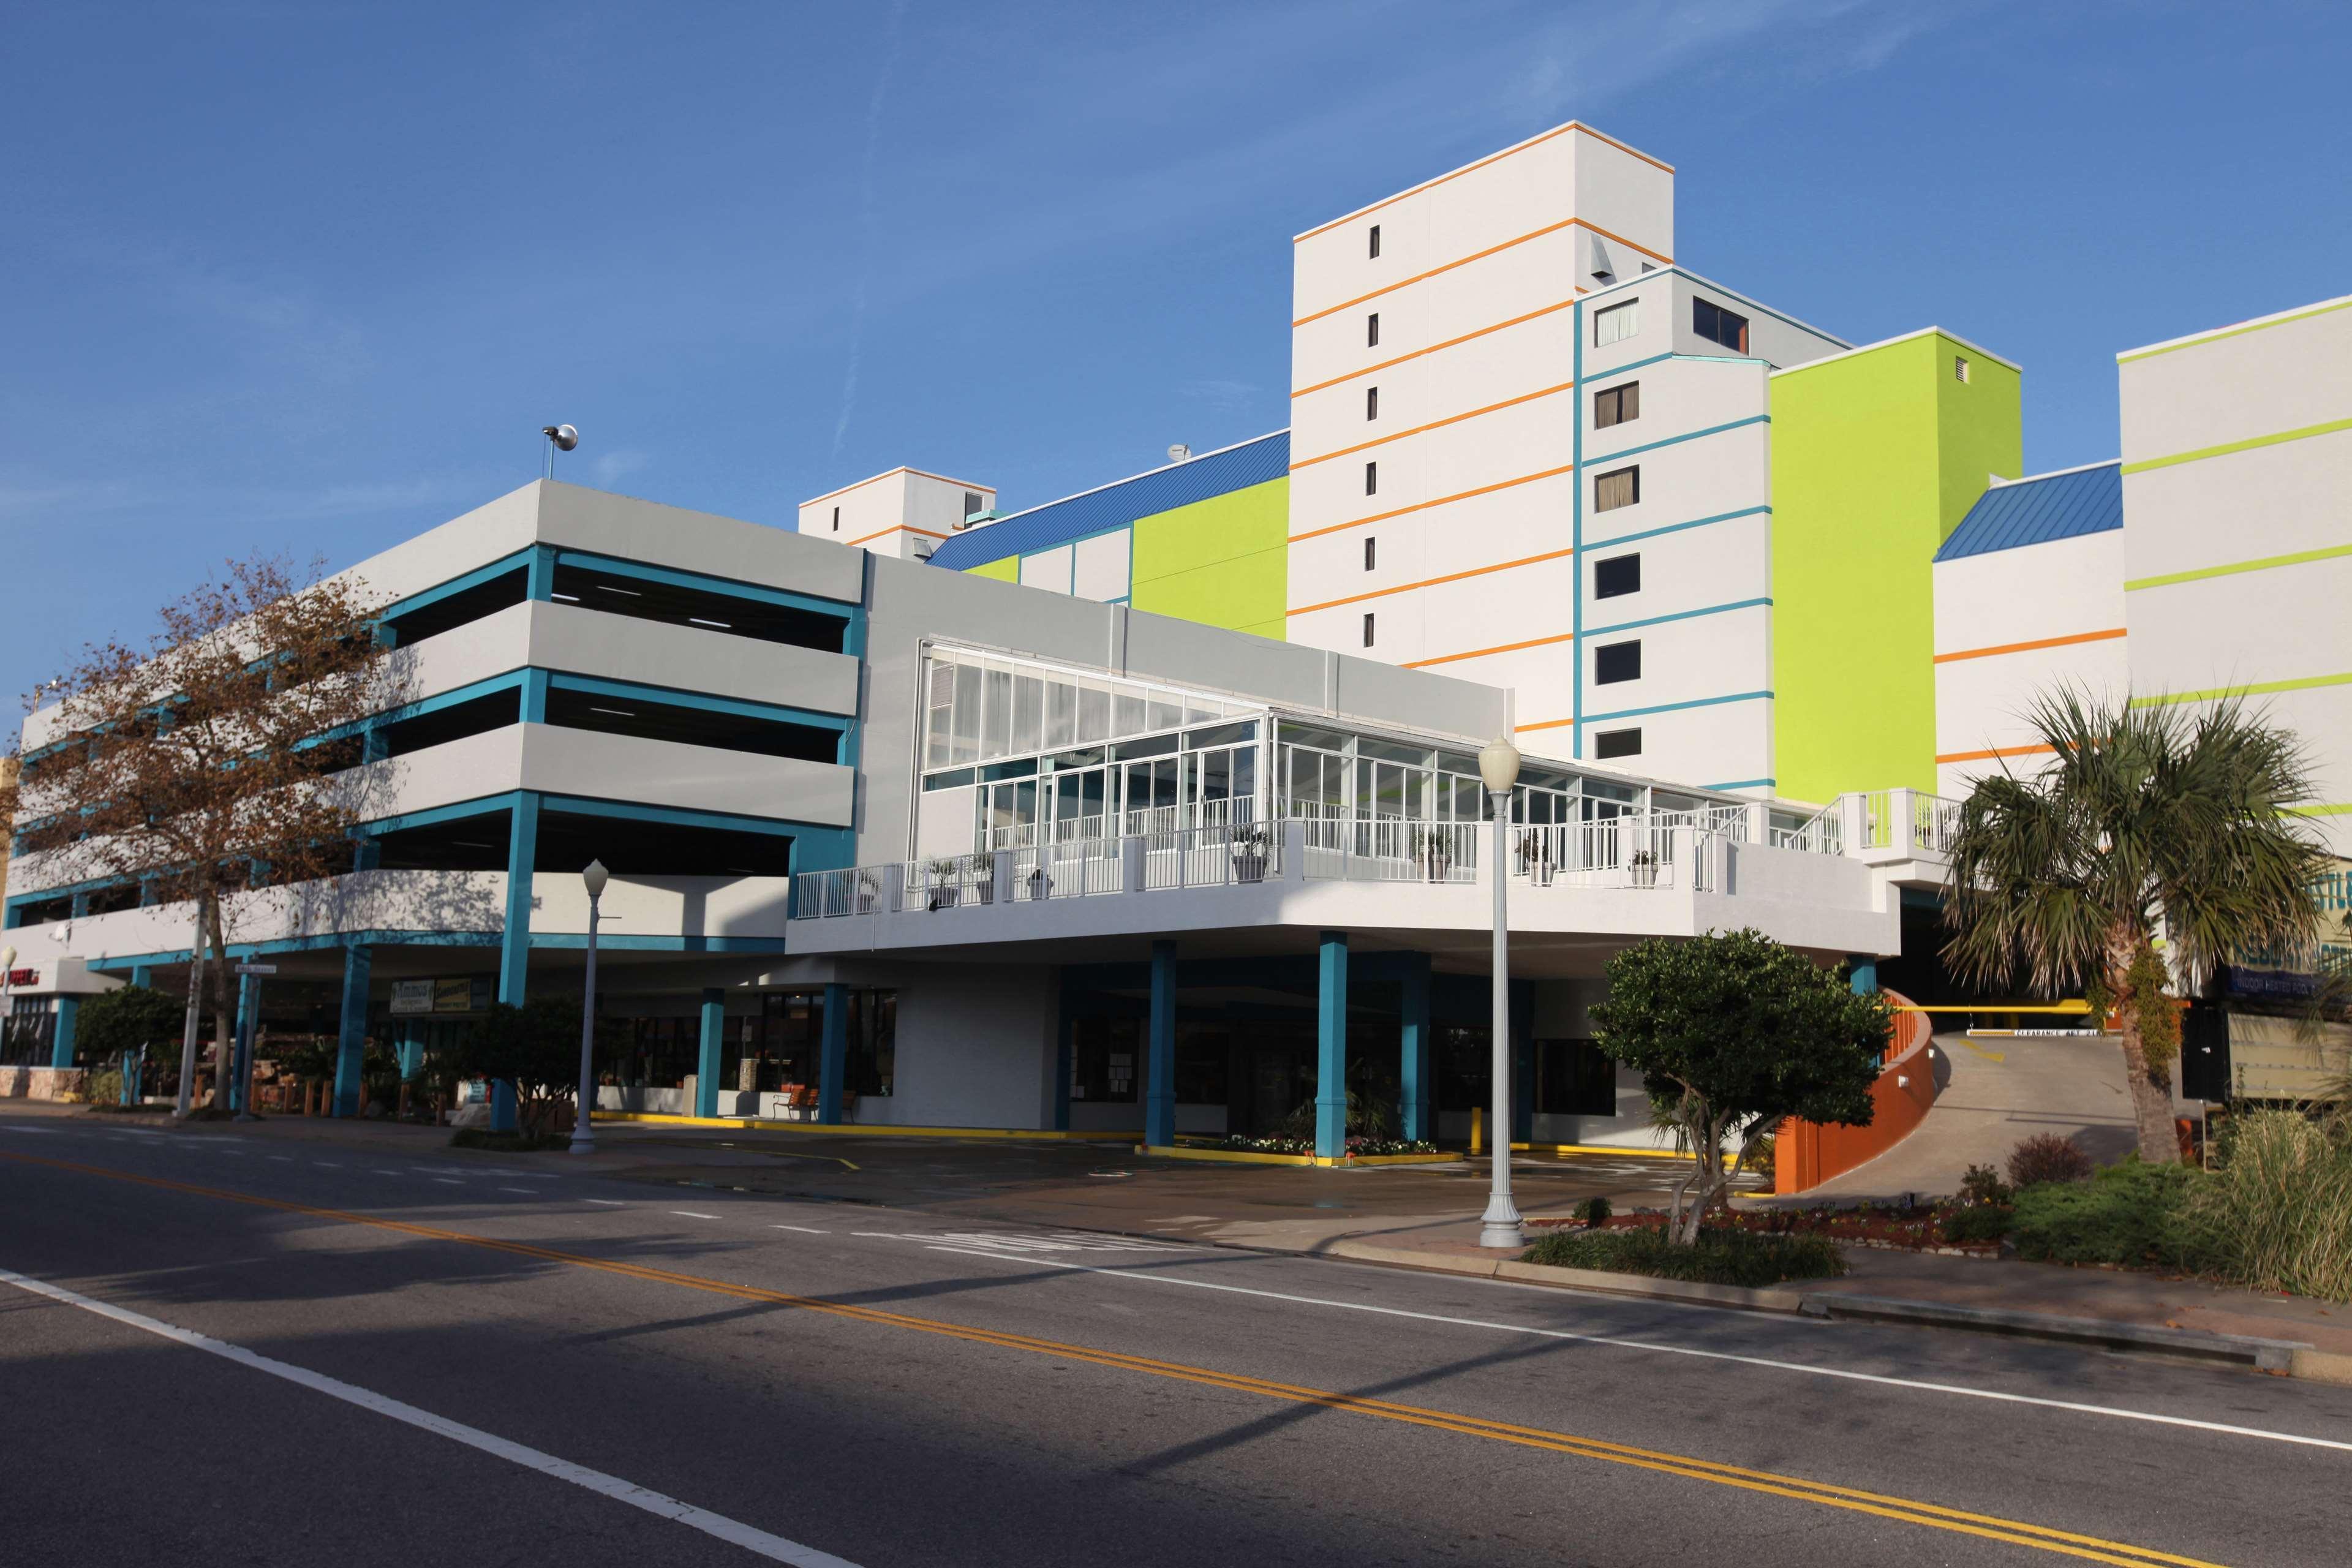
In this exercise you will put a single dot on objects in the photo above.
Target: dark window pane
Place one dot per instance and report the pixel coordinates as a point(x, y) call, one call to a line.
point(1617, 661)
point(1618, 574)
point(1612, 743)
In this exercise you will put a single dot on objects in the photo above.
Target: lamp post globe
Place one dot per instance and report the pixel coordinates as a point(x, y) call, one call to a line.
point(583, 1138)
point(1498, 767)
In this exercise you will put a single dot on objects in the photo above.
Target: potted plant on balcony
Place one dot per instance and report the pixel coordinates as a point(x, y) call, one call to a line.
point(1644, 865)
point(1536, 853)
point(869, 891)
point(944, 892)
point(1040, 885)
point(1432, 849)
point(1249, 846)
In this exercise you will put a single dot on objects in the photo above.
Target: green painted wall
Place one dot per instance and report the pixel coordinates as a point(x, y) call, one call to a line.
point(1223, 561)
point(1875, 458)
point(1005, 571)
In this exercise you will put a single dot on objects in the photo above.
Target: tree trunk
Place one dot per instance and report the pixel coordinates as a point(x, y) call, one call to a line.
point(1705, 1184)
point(2151, 1092)
point(224, 1015)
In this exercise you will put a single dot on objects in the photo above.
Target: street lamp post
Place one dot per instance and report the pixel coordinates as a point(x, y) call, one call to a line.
point(1498, 766)
point(583, 1140)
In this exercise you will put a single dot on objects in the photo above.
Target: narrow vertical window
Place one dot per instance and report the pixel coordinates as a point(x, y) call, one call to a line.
point(1368, 628)
point(837, 520)
point(1372, 331)
point(970, 502)
point(1372, 479)
point(1372, 553)
point(1959, 368)
point(1372, 401)
point(1376, 242)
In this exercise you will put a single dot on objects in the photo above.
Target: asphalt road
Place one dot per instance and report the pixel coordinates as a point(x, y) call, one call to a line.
point(453, 1360)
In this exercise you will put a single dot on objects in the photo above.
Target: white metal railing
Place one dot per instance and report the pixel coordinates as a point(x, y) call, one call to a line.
point(851, 890)
point(945, 881)
point(1392, 849)
point(1072, 869)
point(1211, 857)
point(1934, 822)
point(1821, 833)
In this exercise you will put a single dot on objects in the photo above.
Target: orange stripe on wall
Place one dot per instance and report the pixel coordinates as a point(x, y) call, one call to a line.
point(1450, 342)
point(1430, 582)
point(1480, 256)
point(1483, 652)
point(1547, 724)
point(1432, 425)
point(1473, 168)
point(1987, 756)
point(2029, 646)
point(896, 528)
point(1441, 500)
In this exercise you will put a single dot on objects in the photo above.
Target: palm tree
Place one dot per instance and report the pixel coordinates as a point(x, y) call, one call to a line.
point(2147, 819)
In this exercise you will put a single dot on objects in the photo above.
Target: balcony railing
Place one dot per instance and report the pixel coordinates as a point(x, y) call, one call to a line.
point(1390, 849)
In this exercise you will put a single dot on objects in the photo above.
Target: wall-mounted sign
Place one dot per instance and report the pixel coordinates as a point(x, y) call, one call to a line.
point(453, 996)
point(410, 997)
point(23, 977)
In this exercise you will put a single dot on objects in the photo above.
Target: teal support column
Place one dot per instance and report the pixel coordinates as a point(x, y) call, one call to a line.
point(833, 1054)
point(1418, 1116)
point(143, 975)
point(241, 1064)
point(714, 1039)
point(1864, 974)
point(539, 578)
point(1063, 1048)
point(351, 1041)
point(1160, 1095)
point(61, 1044)
point(1332, 1047)
point(412, 1052)
point(522, 851)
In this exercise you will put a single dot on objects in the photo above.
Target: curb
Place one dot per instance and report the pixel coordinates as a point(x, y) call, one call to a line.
point(2263, 1355)
point(2285, 1358)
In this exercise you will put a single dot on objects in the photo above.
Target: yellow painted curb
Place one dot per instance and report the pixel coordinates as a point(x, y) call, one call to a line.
point(1252, 1157)
point(863, 1130)
point(1595, 1149)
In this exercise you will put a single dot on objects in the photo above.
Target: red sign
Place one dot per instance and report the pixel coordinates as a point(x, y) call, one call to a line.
point(23, 977)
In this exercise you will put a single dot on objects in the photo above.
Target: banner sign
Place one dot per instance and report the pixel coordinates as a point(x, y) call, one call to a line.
point(453, 996)
point(410, 997)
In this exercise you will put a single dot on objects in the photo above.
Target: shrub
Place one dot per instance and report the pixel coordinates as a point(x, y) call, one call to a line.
point(1595, 1213)
point(1760, 1154)
point(1721, 1256)
point(2046, 1157)
point(508, 1143)
point(1978, 1222)
point(2277, 1215)
point(1982, 1185)
point(2129, 1214)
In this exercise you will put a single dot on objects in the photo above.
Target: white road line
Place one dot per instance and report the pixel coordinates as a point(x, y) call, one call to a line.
point(888, 1236)
point(327, 1164)
point(804, 1230)
point(381, 1171)
point(608, 1202)
point(286, 1159)
point(526, 1192)
point(2113, 1412)
point(449, 1181)
point(689, 1214)
point(775, 1547)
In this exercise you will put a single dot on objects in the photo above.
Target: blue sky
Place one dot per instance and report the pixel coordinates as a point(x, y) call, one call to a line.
point(309, 277)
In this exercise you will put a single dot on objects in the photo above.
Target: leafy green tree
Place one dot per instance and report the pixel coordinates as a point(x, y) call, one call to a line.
point(125, 1019)
point(2147, 819)
point(536, 1048)
point(1732, 1035)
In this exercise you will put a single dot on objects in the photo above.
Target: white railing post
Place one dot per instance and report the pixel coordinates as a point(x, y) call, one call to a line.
point(1853, 819)
point(894, 888)
point(1760, 823)
point(1130, 864)
point(1902, 830)
point(1294, 849)
point(1001, 873)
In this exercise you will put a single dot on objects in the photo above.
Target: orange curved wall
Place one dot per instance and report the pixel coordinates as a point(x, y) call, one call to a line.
point(1807, 1154)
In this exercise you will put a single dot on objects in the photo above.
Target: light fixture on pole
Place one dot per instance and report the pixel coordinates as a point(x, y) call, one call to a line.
point(560, 438)
point(583, 1140)
point(1498, 766)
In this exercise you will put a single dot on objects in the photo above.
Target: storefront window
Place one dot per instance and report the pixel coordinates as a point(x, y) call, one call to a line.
point(1105, 1060)
point(1573, 1079)
point(873, 1065)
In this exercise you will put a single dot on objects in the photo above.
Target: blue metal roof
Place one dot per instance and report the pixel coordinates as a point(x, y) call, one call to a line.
point(1122, 501)
point(2037, 510)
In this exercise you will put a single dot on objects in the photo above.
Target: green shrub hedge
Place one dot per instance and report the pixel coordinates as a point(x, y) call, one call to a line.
point(2128, 1214)
point(1721, 1256)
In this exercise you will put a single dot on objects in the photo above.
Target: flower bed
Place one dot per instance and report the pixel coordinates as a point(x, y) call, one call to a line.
point(1951, 1230)
point(1365, 1147)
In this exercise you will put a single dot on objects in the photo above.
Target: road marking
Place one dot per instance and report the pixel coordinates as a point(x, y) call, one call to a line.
point(775, 1547)
point(449, 1181)
point(286, 1159)
point(689, 1214)
point(30, 1132)
point(526, 1192)
point(327, 1164)
point(1931, 1515)
point(804, 1230)
point(2114, 1412)
point(609, 1202)
point(381, 1171)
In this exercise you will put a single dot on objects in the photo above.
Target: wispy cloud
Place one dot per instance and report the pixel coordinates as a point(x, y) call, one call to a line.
point(1224, 396)
point(866, 221)
point(611, 467)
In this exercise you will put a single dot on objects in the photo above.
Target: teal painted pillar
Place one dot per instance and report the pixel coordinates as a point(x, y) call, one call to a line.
point(1418, 1117)
point(351, 1041)
point(539, 582)
point(240, 1066)
point(1332, 1047)
point(143, 975)
point(411, 1051)
point(833, 1054)
point(714, 1039)
point(1864, 977)
point(61, 1044)
point(514, 947)
point(1160, 1094)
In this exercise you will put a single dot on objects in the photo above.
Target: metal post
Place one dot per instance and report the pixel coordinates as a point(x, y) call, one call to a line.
point(1501, 1227)
point(583, 1140)
point(249, 1025)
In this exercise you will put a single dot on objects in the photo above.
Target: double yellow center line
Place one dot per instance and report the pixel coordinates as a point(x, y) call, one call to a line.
point(1852, 1500)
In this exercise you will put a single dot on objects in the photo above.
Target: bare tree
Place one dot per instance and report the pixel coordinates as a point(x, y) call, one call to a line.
point(224, 758)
